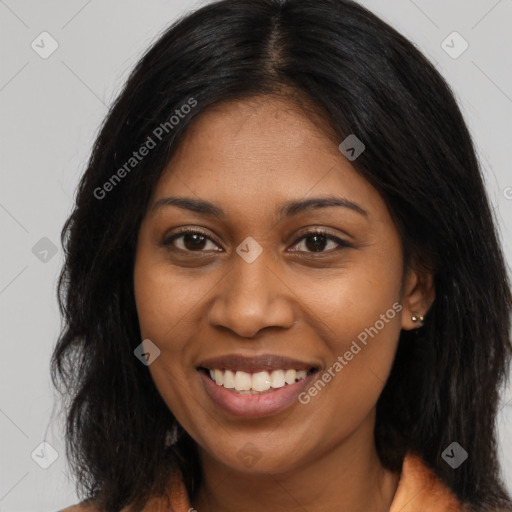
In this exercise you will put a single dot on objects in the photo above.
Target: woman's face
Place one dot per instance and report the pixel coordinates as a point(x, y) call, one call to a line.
point(257, 290)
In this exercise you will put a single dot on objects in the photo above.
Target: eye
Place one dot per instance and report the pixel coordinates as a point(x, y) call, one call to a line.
point(190, 240)
point(196, 240)
point(318, 241)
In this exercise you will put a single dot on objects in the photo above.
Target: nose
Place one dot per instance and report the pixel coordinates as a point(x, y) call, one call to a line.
point(251, 297)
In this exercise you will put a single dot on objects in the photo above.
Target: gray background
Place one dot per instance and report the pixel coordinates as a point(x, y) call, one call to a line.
point(50, 111)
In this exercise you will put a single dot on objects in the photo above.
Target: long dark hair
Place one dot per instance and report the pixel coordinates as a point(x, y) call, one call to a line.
point(365, 79)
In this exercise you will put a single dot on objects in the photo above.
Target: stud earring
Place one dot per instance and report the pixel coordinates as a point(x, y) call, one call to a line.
point(417, 318)
point(172, 435)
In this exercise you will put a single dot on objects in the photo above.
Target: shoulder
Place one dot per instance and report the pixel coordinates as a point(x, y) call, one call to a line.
point(419, 488)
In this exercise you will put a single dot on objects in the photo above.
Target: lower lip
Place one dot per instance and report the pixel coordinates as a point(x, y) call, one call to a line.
point(254, 406)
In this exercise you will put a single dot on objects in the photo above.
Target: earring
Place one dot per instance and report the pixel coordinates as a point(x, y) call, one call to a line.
point(417, 318)
point(172, 435)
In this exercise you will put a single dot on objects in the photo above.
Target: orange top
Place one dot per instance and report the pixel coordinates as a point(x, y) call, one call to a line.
point(419, 490)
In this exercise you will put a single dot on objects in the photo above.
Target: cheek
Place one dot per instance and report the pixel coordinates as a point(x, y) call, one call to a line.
point(360, 315)
point(352, 299)
point(162, 312)
point(347, 390)
point(162, 298)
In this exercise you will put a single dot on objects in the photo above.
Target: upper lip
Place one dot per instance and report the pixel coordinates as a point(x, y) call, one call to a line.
point(254, 364)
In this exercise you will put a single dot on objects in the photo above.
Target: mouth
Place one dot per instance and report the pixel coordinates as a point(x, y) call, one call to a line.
point(245, 383)
point(255, 386)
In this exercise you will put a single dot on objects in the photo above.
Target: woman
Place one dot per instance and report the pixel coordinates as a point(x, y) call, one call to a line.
point(283, 288)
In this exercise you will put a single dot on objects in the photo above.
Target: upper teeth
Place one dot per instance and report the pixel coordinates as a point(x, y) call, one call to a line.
point(261, 381)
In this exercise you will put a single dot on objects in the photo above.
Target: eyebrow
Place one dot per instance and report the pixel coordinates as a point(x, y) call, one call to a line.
point(288, 209)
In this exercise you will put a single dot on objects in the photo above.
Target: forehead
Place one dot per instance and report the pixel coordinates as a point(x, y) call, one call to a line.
point(265, 150)
point(256, 130)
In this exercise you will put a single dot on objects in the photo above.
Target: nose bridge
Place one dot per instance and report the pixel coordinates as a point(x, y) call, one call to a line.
point(252, 297)
point(255, 279)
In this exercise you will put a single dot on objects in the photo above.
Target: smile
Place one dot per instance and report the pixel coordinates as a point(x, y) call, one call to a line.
point(241, 382)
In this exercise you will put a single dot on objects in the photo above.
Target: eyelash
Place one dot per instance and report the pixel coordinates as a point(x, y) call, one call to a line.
point(318, 232)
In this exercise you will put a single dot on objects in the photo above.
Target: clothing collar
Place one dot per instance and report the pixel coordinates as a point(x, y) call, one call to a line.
point(419, 490)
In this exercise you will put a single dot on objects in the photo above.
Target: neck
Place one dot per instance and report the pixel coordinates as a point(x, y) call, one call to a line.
point(347, 477)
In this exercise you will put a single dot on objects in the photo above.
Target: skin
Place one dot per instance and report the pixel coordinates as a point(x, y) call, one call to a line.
point(248, 157)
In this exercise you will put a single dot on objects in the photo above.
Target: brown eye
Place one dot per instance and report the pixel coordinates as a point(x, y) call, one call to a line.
point(317, 241)
point(190, 241)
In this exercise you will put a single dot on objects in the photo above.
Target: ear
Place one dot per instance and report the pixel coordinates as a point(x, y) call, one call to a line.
point(417, 297)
